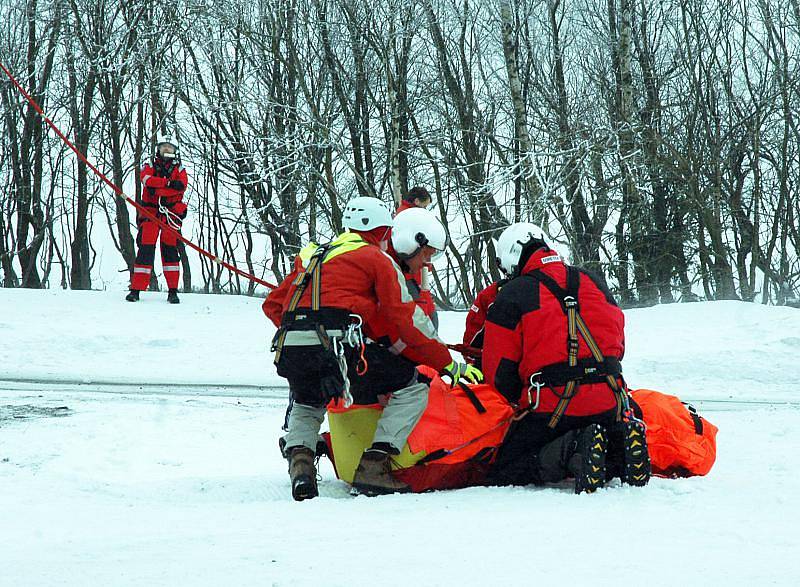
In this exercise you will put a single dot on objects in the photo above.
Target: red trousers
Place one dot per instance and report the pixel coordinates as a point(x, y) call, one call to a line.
point(148, 235)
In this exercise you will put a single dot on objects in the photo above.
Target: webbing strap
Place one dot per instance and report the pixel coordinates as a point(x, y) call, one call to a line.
point(698, 422)
point(473, 399)
point(570, 302)
point(312, 273)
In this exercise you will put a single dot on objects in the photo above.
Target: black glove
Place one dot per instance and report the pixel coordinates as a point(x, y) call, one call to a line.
point(331, 379)
point(175, 184)
point(180, 209)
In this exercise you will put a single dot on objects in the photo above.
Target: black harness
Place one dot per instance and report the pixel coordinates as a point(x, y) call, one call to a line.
point(573, 372)
point(304, 320)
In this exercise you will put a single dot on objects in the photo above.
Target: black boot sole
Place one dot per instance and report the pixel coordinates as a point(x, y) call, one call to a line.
point(637, 458)
point(589, 462)
point(304, 487)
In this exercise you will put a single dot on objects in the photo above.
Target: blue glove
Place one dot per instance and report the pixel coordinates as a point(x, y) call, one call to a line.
point(457, 371)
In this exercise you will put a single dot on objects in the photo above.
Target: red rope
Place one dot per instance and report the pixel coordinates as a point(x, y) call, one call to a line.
point(121, 194)
point(466, 350)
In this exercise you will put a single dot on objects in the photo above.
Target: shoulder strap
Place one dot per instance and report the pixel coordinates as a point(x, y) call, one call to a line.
point(311, 273)
point(696, 420)
point(568, 298)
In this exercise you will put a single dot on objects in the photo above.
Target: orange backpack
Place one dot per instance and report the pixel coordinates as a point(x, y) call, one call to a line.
point(681, 442)
point(452, 446)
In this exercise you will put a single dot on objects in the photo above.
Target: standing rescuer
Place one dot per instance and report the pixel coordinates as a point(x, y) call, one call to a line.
point(164, 183)
point(553, 344)
point(340, 298)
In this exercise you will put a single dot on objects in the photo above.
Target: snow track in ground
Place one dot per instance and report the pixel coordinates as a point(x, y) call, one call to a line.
point(134, 489)
point(170, 389)
point(164, 469)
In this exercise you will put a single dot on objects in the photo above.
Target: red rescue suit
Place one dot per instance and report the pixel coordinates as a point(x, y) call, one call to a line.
point(526, 331)
point(476, 317)
point(167, 204)
point(366, 281)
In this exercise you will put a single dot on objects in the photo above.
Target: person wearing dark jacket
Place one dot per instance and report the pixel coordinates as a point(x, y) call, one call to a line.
point(553, 345)
point(163, 185)
point(339, 298)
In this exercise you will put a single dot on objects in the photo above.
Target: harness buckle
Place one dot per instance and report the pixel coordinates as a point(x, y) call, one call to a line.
point(570, 302)
point(276, 338)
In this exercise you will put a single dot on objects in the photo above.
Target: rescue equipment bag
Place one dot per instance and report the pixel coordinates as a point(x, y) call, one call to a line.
point(681, 442)
point(452, 446)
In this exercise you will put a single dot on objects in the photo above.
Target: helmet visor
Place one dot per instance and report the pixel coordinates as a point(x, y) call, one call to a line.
point(427, 253)
point(435, 250)
point(437, 254)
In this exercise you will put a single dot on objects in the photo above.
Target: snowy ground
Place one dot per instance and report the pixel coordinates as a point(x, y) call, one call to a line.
point(138, 447)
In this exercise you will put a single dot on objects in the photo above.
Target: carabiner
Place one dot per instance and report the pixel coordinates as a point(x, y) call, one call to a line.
point(538, 385)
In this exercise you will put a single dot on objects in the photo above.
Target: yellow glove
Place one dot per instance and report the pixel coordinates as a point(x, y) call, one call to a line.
point(457, 371)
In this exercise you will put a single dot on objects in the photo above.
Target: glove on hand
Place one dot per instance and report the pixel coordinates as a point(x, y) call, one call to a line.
point(175, 184)
point(457, 371)
point(180, 209)
point(331, 379)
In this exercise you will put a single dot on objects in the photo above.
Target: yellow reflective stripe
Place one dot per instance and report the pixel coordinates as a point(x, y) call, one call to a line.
point(306, 252)
point(344, 243)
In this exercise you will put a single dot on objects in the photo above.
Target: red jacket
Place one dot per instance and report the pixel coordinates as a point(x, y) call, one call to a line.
point(404, 205)
point(476, 317)
point(366, 281)
point(154, 181)
point(526, 329)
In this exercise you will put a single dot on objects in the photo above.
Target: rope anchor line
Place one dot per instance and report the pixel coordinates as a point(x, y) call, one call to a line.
point(118, 191)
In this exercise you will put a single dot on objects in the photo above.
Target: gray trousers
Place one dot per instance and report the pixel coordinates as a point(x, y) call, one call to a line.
point(401, 414)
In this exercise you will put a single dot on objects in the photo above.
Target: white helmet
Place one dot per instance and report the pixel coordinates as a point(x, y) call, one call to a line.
point(413, 229)
point(365, 214)
point(163, 145)
point(512, 241)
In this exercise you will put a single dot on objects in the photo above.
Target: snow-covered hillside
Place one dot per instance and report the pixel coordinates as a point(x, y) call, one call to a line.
point(138, 447)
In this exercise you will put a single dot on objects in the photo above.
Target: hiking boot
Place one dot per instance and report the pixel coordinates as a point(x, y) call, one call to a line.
point(374, 475)
point(322, 448)
point(172, 296)
point(588, 461)
point(636, 458)
point(302, 473)
point(133, 296)
point(554, 456)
